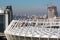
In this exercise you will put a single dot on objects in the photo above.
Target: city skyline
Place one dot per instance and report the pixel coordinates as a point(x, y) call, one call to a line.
point(30, 7)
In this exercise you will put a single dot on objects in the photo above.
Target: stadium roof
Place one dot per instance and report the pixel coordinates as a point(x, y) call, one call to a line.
point(32, 31)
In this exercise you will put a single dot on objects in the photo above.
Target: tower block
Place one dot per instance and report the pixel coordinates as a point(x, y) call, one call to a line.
point(52, 11)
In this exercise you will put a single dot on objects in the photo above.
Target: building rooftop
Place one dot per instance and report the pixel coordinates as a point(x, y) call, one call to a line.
point(1, 10)
point(15, 28)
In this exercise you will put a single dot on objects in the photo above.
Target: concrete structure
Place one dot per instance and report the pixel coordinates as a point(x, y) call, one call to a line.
point(52, 11)
point(48, 29)
point(10, 13)
point(6, 17)
point(3, 20)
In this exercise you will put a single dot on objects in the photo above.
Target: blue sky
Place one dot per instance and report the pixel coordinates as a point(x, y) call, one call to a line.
point(29, 7)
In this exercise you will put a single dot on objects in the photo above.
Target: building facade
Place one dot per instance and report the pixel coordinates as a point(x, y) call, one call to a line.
point(2, 18)
point(5, 18)
point(52, 11)
point(10, 13)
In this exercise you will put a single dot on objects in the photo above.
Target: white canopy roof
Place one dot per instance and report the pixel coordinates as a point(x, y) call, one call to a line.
point(32, 31)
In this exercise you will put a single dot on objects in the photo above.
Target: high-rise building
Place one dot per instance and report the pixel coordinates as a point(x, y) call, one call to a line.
point(6, 17)
point(52, 11)
point(10, 13)
point(3, 20)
